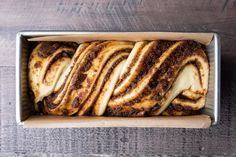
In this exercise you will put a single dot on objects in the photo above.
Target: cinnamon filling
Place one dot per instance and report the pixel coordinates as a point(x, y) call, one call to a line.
point(63, 54)
point(80, 77)
point(169, 69)
point(47, 48)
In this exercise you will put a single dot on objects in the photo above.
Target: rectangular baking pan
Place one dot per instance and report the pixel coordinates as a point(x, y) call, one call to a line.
point(25, 114)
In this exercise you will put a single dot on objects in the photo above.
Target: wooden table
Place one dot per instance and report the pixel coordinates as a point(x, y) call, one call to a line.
point(104, 15)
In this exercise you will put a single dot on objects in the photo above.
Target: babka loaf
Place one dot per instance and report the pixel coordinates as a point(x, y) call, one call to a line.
point(119, 78)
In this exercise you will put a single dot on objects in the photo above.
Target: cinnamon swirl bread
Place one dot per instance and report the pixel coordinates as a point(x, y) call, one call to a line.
point(119, 78)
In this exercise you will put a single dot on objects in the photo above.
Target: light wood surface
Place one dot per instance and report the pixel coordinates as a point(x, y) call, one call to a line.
point(124, 15)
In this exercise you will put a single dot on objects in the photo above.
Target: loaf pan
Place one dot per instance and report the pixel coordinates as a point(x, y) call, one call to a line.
point(25, 114)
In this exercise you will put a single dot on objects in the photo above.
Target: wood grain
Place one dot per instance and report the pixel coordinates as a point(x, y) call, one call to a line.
point(105, 15)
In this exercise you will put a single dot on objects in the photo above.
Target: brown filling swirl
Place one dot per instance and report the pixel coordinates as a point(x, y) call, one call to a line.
point(166, 74)
point(81, 76)
point(147, 62)
point(48, 48)
point(162, 80)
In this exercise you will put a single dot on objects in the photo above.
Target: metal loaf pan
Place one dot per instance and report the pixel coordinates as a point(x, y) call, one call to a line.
point(24, 107)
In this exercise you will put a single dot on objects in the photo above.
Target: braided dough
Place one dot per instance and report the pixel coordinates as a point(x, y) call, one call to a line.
point(119, 78)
